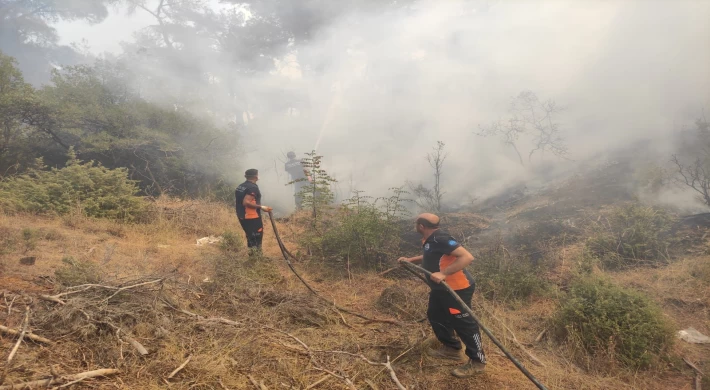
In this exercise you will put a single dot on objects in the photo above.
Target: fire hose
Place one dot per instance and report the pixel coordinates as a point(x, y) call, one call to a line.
point(288, 256)
point(415, 269)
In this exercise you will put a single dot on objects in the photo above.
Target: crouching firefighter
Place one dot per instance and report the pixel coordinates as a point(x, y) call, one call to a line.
point(447, 260)
point(249, 209)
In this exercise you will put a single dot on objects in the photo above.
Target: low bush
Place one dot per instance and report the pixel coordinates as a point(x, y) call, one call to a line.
point(607, 324)
point(631, 235)
point(503, 277)
point(361, 233)
point(701, 270)
point(94, 190)
point(231, 242)
point(76, 272)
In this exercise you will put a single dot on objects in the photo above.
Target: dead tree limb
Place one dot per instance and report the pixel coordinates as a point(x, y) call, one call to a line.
point(313, 360)
point(693, 366)
point(698, 374)
point(134, 343)
point(175, 371)
point(318, 382)
point(540, 336)
point(28, 335)
point(206, 319)
point(60, 380)
point(387, 365)
point(258, 385)
point(132, 286)
point(50, 298)
point(13, 351)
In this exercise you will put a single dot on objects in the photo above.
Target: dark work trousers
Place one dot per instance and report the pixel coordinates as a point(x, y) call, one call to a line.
point(254, 229)
point(446, 316)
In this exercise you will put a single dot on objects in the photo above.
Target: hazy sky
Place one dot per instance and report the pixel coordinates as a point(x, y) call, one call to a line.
point(393, 84)
point(107, 35)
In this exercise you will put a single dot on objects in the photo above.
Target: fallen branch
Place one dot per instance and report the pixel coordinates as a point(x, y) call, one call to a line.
point(131, 286)
point(387, 365)
point(175, 371)
point(383, 273)
point(60, 380)
point(402, 354)
point(9, 305)
point(14, 349)
point(698, 374)
point(259, 386)
point(68, 384)
point(540, 336)
point(309, 352)
point(318, 382)
point(206, 319)
point(693, 366)
point(51, 298)
point(134, 343)
point(29, 335)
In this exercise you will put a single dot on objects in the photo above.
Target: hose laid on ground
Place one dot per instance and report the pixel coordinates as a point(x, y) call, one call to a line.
point(286, 254)
point(417, 270)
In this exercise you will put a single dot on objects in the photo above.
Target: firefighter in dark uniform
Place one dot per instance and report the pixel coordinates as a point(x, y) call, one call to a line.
point(447, 260)
point(249, 209)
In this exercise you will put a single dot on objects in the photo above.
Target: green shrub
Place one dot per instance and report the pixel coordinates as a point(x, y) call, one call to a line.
point(502, 277)
point(631, 235)
point(607, 323)
point(76, 272)
point(231, 242)
point(362, 232)
point(94, 190)
point(701, 270)
point(29, 238)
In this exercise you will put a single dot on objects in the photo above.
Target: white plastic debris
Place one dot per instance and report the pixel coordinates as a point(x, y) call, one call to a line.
point(208, 240)
point(691, 335)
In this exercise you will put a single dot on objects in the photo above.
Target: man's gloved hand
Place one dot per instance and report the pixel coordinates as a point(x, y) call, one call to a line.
point(267, 209)
point(403, 259)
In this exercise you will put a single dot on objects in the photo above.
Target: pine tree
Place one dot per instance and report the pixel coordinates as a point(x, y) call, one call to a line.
point(317, 192)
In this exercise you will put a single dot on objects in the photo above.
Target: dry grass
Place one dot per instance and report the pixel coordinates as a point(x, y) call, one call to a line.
point(267, 295)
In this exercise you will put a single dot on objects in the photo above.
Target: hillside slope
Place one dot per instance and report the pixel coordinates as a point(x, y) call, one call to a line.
point(239, 323)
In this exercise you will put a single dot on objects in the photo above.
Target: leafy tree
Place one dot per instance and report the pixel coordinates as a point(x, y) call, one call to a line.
point(26, 31)
point(98, 112)
point(25, 124)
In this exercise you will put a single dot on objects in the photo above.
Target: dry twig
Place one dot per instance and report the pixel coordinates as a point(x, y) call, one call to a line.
point(258, 385)
point(29, 335)
point(132, 286)
point(60, 380)
point(14, 349)
point(698, 374)
point(175, 371)
point(318, 382)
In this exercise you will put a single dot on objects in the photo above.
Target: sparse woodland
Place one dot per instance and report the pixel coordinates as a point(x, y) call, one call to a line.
point(106, 187)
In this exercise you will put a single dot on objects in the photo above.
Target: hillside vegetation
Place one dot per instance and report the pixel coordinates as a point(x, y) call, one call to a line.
point(546, 289)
